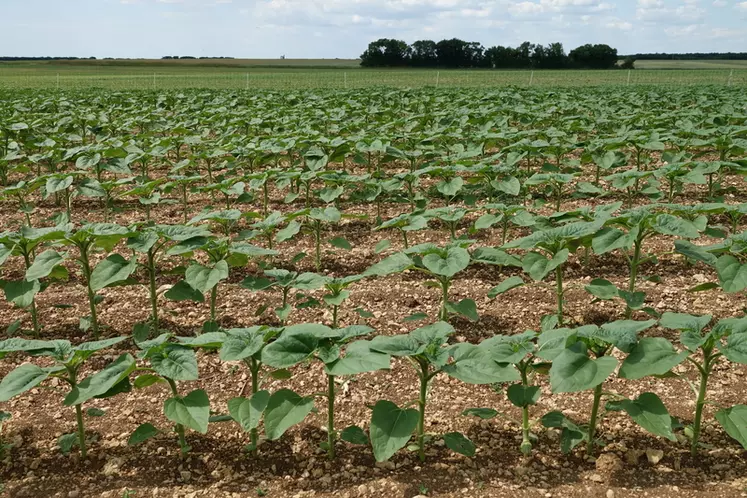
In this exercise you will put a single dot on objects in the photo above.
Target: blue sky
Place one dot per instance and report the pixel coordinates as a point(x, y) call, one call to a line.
point(343, 28)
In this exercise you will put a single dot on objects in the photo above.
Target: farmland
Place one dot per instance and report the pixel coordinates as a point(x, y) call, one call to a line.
point(289, 74)
point(495, 291)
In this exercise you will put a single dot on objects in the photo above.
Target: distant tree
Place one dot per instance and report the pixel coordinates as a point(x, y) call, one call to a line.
point(386, 52)
point(594, 57)
point(628, 63)
point(455, 53)
point(423, 54)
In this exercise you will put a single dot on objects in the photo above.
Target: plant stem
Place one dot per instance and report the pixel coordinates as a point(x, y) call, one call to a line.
point(153, 295)
point(178, 427)
point(633, 272)
point(318, 245)
point(32, 308)
point(213, 298)
point(526, 443)
point(444, 313)
point(254, 434)
point(699, 405)
point(593, 420)
point(421, 416)
point(331, 434)
point(559, 292)
point(91, 295)
point(72, 377)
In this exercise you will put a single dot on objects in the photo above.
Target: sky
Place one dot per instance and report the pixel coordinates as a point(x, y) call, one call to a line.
point(343, 28)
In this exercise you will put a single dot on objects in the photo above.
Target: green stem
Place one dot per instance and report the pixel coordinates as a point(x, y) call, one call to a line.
point(635, 260)
point(254, 434)
point(81, 431)
point(421, 416)
point(331, 434)
point(178, 427)
point(559, 292)
point(153, 296)
point(318, 246)
point(213, 298)
point(699, 405)
point(526, 443)
point(32, 309)
point(593, 420)
point(91, 295)
point(444, 313)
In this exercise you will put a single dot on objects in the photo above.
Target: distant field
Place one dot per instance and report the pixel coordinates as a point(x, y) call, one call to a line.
point(691, 64)
point(334, 73)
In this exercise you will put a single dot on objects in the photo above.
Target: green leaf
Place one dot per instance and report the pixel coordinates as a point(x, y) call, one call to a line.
point(483, 413)
point(354, 435)
point(466, 308)
point(95, 412)
point(146, 380)
point(248, 412)
point(21, 292)
point(458, 443)
point(571, 436)
point(66, 442)
point(382, 246)
point(20, 380)
point(573, 370)
point(449, 264)
point(43, 264)
point(602, 289)
point(391, 428)
point(191, 411)
point(651, 356)
point(734, 422)
point(395, 263)
point(113, 269)
point(203, 278)
point(290, 349)
point(285, 409)
point(101, 382)
point(538, 266)
point(415, 317)
point(521, 395)
point(240, 344)
point(475, 365)
point(341, 243)
point(182, 291)
point(358, 359)
point(142, 433)
point(505, 286)
point(732, 275)
point(175, 362)
point(648, 411)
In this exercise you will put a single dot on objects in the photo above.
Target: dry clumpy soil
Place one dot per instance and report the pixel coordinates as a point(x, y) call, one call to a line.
point(631, 463)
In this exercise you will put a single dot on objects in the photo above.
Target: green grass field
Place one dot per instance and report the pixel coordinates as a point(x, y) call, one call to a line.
point(337, 73)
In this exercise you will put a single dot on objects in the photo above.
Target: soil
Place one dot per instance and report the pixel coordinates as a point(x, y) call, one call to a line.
point(295, 466)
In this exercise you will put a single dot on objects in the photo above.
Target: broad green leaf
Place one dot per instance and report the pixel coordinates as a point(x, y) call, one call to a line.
point(142, 433)
point(113, 269)
point(573, 370)
point(175, 362)
point(505, 286)
point(538, 266)
point(248, 412)
point(101, 382)
point(452, 262)
point(203, 278)
point(43, 264)
point(20, 380)
point(21, 292)
point(358, 358)
point(193, 410)
point(290, 349)
point(648, 411)
point(651, 356)
point(240, 344)
point(734, 422)
point(483, 413)
point(521, 395)
point(391, 428)
point(602, 289)
point(474, 365)
point(341, 243)
point(731, 274)
point(182, 291)
point(395, 263)
point(458, 443)
point(571, 436)
point(354, 435)
point(284, 410)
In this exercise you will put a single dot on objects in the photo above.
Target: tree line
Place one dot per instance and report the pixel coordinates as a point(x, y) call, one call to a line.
point(740, 56)
point(456, 53)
